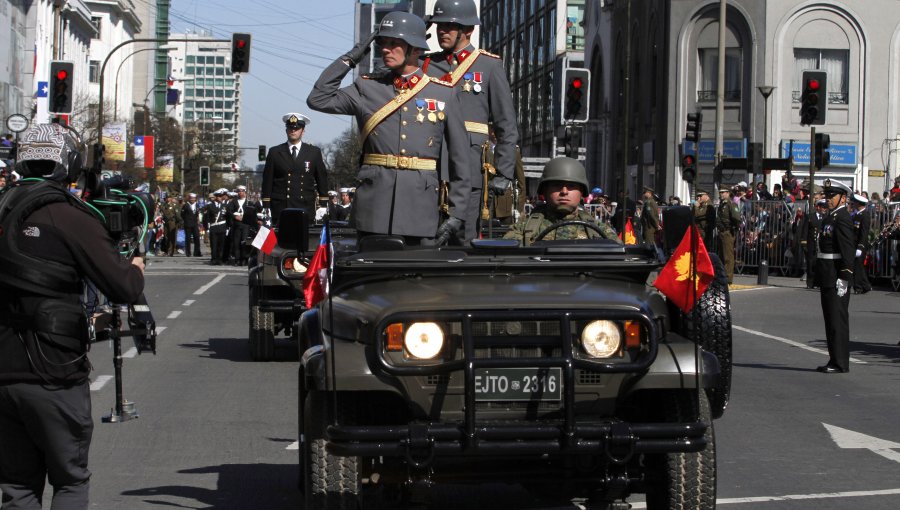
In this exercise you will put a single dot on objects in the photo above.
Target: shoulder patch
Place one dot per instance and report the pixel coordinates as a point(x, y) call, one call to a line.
point(487, 53)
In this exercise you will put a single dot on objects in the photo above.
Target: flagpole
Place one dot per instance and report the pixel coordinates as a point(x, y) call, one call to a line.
point(695, 313)
point(329, 255)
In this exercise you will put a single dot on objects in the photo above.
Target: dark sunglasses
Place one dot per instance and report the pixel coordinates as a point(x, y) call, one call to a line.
point(831, 195)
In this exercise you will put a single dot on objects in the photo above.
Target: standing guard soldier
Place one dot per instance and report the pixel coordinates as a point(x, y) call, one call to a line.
point(294, 175)
point(728, 221)
point(649, 217)
point(239, 229)
point(215, 212)
point(862, 222)
point(190, 214)
point(484, 97)
point(834, 269)
point(172, 221)
point(704, 216)
point(406, 119)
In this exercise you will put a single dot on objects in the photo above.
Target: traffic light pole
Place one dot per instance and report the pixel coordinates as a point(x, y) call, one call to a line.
point(812, 169)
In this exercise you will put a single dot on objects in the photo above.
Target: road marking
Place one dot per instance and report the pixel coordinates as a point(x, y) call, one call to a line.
point(174, 314)
point(187, 302)
point(796, 497)
point(209, 285)
point(130, 353)
point(160, 329)
point(849, 439)
point(792, 343)
point(100, 381)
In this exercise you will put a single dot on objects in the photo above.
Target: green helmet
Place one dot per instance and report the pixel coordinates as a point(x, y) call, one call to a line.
point(461, 12)
point(404, 26)
point(564, 170)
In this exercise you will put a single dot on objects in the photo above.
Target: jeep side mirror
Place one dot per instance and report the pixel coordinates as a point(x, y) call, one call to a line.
point(293, 230)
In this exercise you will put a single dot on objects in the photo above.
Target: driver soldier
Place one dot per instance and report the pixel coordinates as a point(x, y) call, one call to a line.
point(563, 185)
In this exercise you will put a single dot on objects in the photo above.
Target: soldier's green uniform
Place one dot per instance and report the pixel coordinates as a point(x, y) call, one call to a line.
point(704, 217)
point(728, 221)
point(172, 220)
point(649, 217)
point(542, 217)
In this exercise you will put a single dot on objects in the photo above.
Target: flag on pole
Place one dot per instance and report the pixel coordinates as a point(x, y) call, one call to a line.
point(676, 278)
point(315, 281)
point(265, 240)
point(629, 233)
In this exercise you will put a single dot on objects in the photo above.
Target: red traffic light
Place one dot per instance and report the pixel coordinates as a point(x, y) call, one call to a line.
point(240, 44)
point(687, 160)
point(812, 84)
point(576, 82)
point(62, 74)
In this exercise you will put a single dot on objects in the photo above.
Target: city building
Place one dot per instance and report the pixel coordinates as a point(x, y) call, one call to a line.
point(115, 22)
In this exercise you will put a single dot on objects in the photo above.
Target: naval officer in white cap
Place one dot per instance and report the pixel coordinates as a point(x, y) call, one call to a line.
point(294, 175)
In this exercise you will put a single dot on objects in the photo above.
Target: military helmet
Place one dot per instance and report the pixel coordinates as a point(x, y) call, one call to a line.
point(461, 12)
point(564, 169)
point(404, 26)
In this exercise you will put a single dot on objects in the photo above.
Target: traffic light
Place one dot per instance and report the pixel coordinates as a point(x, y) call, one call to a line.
point(688, 167)
point(694, 126)
point(204, 176)
point(61, 87)
point(262, 152)
point(240, 53)
point(822, 156)
point(576, 100)
point(754, 158)
point(814, 98)
point(573, 141)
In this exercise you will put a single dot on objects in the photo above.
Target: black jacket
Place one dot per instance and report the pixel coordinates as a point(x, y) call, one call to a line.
point(295, 182)
point(188, 217)
point(836, 236)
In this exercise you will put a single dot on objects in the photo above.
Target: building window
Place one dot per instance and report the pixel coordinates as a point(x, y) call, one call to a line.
point(575, 25)
point(94, 71)
point(709, 74)
point(97, 21)
point(191, 59)
point(834, 62)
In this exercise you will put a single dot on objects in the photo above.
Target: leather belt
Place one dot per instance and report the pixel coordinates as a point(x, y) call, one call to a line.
point(400, 162)
point(477, 127)
point(217, 223)
point(828, 256)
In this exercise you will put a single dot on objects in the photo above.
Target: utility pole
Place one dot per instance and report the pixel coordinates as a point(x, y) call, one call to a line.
point(720, 96)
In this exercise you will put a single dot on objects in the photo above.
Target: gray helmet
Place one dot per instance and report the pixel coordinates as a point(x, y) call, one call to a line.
point(404, 26)
point(564, 170)
point(462, 12)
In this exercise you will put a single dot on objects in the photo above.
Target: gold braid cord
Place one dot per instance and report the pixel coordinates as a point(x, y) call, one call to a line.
point(487, 171)
point(392, 106)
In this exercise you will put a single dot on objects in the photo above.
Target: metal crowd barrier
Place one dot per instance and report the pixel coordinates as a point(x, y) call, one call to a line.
point(883, 258)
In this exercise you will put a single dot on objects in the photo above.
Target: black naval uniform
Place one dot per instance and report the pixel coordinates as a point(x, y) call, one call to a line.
point(239, 230)
point(837, 245)
point(218, 227)
point(190, 215)
point(861, 223)
point(293, 182)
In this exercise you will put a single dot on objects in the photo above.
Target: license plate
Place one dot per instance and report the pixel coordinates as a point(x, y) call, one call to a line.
point(518, 384)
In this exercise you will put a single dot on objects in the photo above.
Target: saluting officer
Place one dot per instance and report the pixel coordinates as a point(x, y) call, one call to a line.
point(834, 269)
point(484, 97)
point(649, 217)
point(728, 221)
point(294, 175)
point(704, 216)
point(406, 119)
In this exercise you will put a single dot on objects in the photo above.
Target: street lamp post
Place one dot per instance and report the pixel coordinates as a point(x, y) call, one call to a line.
point(766, 91)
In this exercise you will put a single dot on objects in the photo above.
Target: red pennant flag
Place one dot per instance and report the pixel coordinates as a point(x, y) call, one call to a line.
point(675, 280)
point(629, 233)
point(315, 281)
point(265, 240)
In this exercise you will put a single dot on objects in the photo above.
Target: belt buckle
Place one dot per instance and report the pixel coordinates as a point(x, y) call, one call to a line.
point(404, 162)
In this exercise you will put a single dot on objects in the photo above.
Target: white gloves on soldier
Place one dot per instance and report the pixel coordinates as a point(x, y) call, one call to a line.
point(859, 253)
point(841, 287)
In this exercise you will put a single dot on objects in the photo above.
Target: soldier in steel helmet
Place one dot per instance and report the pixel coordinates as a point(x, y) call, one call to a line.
point(563, 185)
point(484, 97)
point(406, 119)
point(834, 269)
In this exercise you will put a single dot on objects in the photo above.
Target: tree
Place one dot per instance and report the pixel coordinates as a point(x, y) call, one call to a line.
point(343, 156)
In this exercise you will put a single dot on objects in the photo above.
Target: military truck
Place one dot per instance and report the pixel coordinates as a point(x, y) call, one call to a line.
point(555, 366)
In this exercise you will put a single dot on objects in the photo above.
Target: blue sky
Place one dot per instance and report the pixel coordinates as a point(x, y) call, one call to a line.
point(292, 42)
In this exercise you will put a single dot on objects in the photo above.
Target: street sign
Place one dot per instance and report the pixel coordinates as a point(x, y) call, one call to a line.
point(17, 123)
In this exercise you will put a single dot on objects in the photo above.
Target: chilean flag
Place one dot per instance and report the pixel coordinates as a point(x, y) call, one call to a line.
point(315, 281)
point(143, 151)
point(265, 240)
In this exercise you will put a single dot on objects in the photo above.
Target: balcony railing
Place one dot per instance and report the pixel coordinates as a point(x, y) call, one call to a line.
point(709, 96)
point(833, 97)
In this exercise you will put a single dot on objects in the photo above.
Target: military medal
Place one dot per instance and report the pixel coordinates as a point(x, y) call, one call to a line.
point(432, 107)
point(420, 105)
point(467, 87)
point(476, 77)
point(307, 166)
point(440, 113)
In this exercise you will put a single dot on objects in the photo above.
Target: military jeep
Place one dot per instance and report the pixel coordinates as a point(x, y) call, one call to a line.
point(555, 366)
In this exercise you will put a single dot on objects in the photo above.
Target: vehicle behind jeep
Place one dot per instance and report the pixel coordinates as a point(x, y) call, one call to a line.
point(555, 366)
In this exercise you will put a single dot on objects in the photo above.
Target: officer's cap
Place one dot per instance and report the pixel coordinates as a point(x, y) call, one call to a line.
point(648, 188)
point(192, 195)
point(701, 192)
point(295, 120)
point(332, 193)
point(231, 194)
point(821, 202)
point(859, 199)
point(241, 188)
point(830, 186)
point(724, 189)
point(220, 191)
point(345, 190)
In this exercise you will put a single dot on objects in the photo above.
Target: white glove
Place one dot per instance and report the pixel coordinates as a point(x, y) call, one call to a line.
point(841, 287)
point(859, 253)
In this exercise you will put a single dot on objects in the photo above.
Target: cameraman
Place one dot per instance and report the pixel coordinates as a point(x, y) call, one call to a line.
point(53, 246)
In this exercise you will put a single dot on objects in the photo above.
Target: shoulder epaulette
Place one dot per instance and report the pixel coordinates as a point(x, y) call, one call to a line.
point(488, 54)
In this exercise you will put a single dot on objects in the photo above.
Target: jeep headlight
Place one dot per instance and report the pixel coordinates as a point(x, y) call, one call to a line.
point(601, 339)
point(423, 340)
point(295, 265)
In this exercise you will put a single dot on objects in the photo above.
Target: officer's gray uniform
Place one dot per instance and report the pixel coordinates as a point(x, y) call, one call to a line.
point(484, 97)
point(397, 190)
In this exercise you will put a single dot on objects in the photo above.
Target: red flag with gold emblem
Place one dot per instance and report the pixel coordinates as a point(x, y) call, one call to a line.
point(676, 279)
point(630, 238)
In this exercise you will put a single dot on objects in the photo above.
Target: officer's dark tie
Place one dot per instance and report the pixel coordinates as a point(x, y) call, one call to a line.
point(294, 152)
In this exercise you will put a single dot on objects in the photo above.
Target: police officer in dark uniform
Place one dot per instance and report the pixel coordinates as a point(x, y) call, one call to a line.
point(295, 174)
point(407, 119)
point(862, 221)
point(239, 229)
point(190, 213)
point(51, 245)
point(834, 270)
point(216, 215)
point(485, 100)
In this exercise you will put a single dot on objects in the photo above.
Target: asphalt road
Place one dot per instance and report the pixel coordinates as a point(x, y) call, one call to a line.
point(217, 430)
